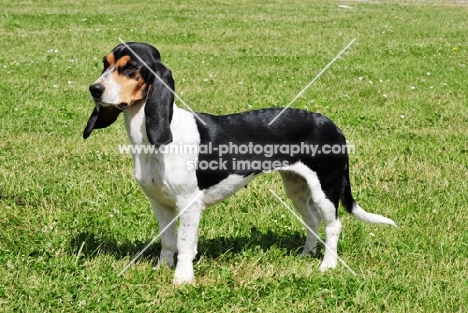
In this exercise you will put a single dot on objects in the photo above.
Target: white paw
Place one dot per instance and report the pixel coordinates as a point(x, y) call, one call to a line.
point(184, 276)
point(326, 264)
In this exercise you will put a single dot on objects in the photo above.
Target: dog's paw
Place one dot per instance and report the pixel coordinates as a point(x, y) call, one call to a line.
point(327, 264)
point(184, 276)
point(184, 279)
point(307, 251)
point(169, 262)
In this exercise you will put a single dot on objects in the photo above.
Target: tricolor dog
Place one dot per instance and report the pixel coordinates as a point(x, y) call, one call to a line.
point(135, 82)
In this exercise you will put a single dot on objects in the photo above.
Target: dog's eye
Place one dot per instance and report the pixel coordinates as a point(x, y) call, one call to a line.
point(129, 69)
point(130, 66)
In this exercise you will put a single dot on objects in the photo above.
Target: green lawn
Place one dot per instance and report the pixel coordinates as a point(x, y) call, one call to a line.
point(72, 216)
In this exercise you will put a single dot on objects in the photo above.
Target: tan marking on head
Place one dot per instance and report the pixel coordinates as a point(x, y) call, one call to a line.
point(123, 60)
point(139, 89)
point(131, 88)
point(110, 58)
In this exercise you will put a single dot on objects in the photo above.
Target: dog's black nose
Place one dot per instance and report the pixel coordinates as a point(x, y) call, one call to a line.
point(96, 90)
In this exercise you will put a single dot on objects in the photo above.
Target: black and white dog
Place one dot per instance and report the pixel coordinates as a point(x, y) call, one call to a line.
point(236, 148)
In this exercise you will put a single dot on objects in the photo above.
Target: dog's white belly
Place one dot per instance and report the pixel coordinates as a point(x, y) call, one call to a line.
point(225, 188)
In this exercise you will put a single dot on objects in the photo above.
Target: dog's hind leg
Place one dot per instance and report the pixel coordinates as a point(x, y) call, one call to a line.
point(326, 199)
point(317, 217)
point(298, 191)
point(329, 209)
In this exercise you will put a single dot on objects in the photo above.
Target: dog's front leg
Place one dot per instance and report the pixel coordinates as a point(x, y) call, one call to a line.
point(165, 215)
point(187, 239)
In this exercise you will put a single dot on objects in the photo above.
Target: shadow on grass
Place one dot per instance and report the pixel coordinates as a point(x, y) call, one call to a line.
point(228, 247)
point(92, 245)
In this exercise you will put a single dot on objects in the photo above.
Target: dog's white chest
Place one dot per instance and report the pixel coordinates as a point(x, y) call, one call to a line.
point(150, 175)
point(163, 173)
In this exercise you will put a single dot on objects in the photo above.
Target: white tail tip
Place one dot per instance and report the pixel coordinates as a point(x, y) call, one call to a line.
point(364, 216)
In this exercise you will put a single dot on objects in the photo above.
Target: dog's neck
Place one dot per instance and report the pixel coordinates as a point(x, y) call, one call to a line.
point(135, 123)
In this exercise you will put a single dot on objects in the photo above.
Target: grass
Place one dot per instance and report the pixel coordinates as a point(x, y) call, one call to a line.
point(72, 216)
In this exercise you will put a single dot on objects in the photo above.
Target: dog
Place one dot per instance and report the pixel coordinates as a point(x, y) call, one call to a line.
point(136, 83)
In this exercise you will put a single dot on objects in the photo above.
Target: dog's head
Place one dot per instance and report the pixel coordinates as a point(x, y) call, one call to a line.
point(133, 72)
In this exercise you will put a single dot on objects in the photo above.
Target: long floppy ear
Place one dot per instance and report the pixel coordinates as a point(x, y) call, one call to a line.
point(159, 107)
point(100, 118)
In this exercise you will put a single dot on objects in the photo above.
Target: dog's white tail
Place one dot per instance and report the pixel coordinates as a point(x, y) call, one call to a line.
point(364, 216)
